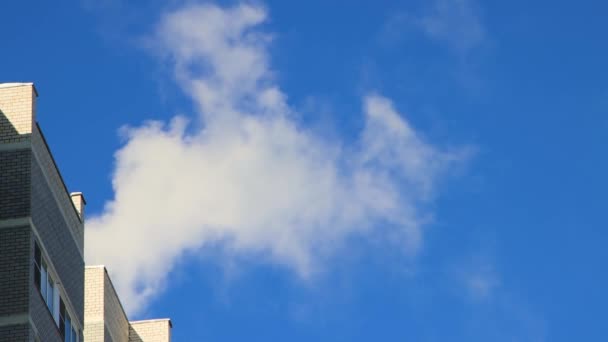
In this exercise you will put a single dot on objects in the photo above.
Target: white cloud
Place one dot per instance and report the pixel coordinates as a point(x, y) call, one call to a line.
point(481, 284)
point(455, 22)
point(250, 178)
point(478, 277)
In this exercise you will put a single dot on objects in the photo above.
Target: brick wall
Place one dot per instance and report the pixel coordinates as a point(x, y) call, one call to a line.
point(14, 270)
point(16, 118)
point(158, 330)
point(17, 111)
point(14, 184)
point(115, 317)
point(58, 189)
point(93, 332)
point(14, 333)
point(60, 246)
point(41, 316)
point(105, 319)
point(94, 306)
point(31, 188)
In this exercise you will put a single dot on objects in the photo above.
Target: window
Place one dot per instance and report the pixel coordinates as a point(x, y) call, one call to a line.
point(44, 282)
point(74, 335)
point(70, 331)
point(68, 328)
point(49, 290)
point(62, 317)
point(37, 263)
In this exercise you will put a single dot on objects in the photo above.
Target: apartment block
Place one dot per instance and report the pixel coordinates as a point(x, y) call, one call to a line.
point(42, 267)
point(41, 231)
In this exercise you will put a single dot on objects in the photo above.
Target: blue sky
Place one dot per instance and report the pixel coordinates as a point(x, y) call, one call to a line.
point(361, 171)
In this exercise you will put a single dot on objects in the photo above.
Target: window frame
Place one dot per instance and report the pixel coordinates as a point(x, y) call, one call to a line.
point(50, 293)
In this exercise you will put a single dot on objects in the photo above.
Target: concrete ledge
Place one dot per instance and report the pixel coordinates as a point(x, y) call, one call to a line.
point(15, 222)
point(23, 144)
point(14, 319)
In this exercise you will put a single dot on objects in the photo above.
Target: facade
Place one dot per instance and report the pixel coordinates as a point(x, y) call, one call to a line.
point(41, 231)
point(42, 268)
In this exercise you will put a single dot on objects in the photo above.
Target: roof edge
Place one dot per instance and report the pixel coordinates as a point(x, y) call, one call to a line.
point(19, 84)
point(143, 321)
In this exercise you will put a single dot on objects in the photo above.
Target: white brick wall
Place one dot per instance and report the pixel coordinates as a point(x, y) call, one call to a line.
point(156, 330)
point(104, 317)
point(115, 317)
point(94, 304)
point(18, 104)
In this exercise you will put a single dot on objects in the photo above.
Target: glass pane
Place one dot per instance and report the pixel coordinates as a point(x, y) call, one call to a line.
point(56, 305)
point(37, 277)
point(62, 326)
point(43, 283)
point(37, 254)
point(37, 262)
point(50, 293)
point(68, 329)
point(61, 308)
point(74, 335)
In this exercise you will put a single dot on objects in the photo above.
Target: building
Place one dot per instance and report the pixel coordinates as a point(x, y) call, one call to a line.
point(41, 231)
point(105, 319)
point(42, 268)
